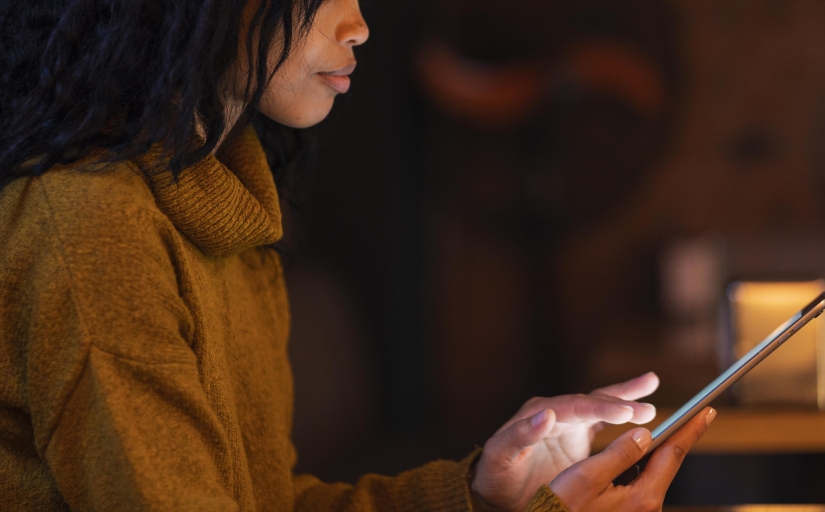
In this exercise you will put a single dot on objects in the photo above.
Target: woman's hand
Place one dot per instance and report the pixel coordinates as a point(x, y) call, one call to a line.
point(587, 486)
point(549, 435)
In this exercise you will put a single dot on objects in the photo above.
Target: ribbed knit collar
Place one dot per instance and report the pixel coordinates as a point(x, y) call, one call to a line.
point(222, 204)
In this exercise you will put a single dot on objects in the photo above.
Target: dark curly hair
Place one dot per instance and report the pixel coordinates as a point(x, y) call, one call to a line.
point(126, 74)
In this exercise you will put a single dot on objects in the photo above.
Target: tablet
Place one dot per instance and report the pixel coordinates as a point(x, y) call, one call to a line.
point(726, 379)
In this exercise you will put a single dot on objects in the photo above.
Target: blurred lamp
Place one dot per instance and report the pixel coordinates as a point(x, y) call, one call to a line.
point(792, 375)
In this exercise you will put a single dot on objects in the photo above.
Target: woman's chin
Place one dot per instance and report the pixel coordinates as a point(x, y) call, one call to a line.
point(301, 116)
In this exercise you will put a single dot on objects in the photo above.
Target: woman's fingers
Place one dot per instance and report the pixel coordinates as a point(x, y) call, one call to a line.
point(666, 460)
point(591, 409)
point(594, 408)
point(588, 409)
point(621, 455)
point(632, 389)
point(601, 408)
point(508, 444)
point(642, 412)
point(583, 483)
point(588, 485)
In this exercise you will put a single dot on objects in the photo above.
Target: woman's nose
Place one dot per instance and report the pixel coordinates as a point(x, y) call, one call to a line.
point(353, 30)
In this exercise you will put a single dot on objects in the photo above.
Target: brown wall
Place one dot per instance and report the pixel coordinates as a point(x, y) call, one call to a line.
point(469, 264)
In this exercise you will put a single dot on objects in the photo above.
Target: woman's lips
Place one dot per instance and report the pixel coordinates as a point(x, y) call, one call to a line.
point(339, 80)
point(338, 83)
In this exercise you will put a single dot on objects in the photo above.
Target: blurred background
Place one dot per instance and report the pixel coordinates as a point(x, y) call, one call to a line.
point(543, 197)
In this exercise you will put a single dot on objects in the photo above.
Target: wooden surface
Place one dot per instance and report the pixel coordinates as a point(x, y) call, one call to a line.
point(746, 431)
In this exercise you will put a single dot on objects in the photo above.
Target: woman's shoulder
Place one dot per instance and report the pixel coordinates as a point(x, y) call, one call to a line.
point(96, 221)
point(82, 201)
point(93, 187)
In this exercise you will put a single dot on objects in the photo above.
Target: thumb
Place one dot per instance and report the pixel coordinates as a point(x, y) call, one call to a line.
point(622, 454)
point(508, 444)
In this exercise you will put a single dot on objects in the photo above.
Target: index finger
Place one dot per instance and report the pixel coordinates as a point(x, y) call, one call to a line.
point(667, 459)
point(632, 389)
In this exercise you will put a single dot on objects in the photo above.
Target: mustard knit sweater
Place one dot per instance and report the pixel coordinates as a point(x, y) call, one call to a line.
point(143, 361)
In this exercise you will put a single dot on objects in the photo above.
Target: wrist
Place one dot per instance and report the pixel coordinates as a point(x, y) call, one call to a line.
point(477, 502)
point(479, 505)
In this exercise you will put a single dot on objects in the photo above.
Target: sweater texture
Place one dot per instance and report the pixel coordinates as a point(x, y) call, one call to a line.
point(143, 361)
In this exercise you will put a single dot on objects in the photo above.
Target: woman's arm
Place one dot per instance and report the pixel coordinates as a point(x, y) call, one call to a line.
point(437, 486)
point(118, 411)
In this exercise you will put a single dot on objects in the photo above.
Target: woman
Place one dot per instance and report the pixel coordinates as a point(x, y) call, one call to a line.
point(143, 316)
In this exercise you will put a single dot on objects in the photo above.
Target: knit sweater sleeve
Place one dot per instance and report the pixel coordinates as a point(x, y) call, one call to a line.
point(438, 486)
point(546, 500)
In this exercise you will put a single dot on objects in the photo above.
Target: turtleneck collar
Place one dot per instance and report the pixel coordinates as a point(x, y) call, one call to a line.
point(222, 204)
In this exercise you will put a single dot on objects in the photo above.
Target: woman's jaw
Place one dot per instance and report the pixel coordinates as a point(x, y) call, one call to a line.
point(305, 100)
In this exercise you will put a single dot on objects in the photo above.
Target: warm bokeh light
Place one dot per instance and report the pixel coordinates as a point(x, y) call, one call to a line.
point(789, 375)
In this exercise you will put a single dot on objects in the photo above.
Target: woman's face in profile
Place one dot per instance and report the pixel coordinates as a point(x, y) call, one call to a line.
point(302, 92)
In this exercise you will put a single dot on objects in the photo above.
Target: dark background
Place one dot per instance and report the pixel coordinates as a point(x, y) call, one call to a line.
point(496, 195)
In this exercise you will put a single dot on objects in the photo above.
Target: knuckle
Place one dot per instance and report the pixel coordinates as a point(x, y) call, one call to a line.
point(521, 428)
point(647, 503)
point(678, 453)
point(650, 504)
point(584, 478)
point(511, 435)
point(491, 453)
point(533, 401)
point(517, 433)
point(627, 453)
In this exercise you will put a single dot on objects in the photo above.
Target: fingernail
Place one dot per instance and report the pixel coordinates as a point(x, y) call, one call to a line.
point(642, 438)
point(539, 418)
point(709, 417)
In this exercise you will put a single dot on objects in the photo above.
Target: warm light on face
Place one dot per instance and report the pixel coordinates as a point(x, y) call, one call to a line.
point(303, 90)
